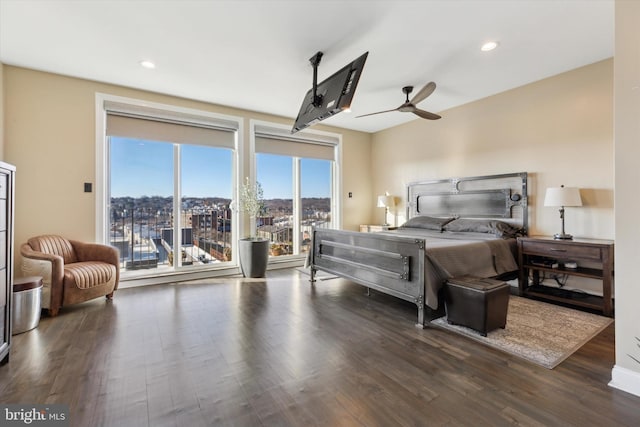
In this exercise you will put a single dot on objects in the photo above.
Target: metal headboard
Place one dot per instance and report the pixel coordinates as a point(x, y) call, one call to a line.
point(501, 197)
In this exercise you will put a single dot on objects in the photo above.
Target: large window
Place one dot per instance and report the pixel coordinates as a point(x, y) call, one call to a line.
point(168, 188)
point(298, 176)
point(316, 179)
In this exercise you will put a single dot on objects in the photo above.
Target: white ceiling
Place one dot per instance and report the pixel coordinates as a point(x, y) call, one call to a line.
point(255, 55)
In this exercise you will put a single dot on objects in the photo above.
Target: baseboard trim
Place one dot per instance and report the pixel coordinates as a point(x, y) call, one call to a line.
point(173, 277)
point(625, 379)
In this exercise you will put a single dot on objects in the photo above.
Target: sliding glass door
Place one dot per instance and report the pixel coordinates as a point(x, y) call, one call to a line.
point(141, 201)
point(206, 188)
point(316, 183)
point(169, 187)
point(143, 187)
point(276, 175)
point(297, 174)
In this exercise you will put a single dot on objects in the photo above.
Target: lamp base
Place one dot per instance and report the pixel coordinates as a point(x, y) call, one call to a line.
point(563, 236)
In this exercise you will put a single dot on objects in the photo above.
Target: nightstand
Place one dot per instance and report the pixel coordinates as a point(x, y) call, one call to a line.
point(375, 228)
point(594, 259)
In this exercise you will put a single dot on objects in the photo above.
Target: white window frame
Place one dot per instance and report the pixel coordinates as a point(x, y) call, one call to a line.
point(102, 167)
point(336, 184)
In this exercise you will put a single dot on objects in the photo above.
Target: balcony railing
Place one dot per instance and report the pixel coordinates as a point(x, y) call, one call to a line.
point(144, 236)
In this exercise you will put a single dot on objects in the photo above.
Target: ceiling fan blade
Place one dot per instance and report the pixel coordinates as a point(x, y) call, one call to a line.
point(426, 115)
point(424, 92)
point(379, 112)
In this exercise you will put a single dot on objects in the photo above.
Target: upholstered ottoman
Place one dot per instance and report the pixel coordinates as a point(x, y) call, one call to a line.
point(479, 304)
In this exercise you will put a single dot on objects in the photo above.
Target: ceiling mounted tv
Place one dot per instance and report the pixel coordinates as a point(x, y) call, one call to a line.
point(330, 96)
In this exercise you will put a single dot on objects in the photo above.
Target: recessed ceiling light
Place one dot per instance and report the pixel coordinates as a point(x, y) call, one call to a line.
point(489, 46)
point(148, 64)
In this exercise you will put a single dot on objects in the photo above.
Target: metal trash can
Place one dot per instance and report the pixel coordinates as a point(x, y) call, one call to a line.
point(27, 294)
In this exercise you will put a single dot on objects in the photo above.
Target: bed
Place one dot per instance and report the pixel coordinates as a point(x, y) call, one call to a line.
point(455, 227)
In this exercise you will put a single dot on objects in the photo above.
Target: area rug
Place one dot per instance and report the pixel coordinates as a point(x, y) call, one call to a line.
point(542, 333)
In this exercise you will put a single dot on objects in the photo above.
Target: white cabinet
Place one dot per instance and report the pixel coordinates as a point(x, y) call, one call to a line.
point(7, 178)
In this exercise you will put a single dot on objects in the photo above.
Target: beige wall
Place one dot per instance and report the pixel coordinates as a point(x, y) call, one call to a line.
point(50, 137)
point(626, 374)
point(559, 130)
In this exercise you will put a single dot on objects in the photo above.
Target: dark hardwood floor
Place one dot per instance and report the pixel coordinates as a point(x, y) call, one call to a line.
point(281, 352)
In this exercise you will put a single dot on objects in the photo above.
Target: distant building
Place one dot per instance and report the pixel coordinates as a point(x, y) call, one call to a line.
point(187, 236)
point(276, 234)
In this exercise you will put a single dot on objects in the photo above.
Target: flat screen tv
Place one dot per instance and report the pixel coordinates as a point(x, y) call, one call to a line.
point(331, 96)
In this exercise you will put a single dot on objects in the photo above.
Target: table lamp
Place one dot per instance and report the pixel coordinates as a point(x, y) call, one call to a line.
point(385, 201)
point(562, 196)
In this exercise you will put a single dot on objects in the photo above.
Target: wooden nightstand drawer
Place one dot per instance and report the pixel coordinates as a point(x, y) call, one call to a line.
point(559, 250)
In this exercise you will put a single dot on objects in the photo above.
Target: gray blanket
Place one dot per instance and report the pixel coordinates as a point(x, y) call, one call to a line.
point(454, 255)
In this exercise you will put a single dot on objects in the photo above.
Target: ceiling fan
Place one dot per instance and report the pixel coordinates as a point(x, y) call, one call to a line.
point(410, 106)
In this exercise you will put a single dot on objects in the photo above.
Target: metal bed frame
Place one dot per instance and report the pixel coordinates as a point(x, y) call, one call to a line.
point(394, 264)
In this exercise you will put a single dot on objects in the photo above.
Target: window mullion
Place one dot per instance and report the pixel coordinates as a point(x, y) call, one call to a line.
point(335, 200)
point(177, 197)
point(297, 205)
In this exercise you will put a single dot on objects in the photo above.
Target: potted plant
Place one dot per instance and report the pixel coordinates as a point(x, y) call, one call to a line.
point(253, 250)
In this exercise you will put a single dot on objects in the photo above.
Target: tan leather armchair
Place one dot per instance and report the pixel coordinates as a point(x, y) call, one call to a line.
point(72, 271)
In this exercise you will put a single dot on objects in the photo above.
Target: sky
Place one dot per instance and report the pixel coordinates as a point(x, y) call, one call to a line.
point(145, 168)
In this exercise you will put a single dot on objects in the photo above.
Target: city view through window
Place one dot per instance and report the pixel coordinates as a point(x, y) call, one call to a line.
point(142, 191)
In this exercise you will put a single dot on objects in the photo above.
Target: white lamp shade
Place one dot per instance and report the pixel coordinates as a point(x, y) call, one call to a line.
point(386, 201)
point(562, 196)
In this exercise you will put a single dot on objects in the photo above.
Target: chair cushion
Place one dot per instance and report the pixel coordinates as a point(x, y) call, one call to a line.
point(85, 275)
point(54, 245)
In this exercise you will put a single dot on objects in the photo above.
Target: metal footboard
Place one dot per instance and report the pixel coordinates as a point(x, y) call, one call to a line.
point(392, 265)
